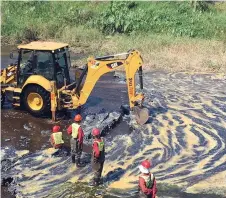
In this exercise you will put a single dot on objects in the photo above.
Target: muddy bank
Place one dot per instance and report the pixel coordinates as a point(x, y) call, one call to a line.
point(159, 52)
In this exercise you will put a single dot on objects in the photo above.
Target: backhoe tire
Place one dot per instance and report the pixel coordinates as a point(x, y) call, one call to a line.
point(36, 100)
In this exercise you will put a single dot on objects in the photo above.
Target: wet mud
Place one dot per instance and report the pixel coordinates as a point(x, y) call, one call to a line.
point(21, 131)
point(185, 138)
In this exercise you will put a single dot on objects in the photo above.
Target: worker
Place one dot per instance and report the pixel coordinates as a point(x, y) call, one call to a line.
point(98, 157)
point(56, 138)
point(77, 135)
point(147, 182)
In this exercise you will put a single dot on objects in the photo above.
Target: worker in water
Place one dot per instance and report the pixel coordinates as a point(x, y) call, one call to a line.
point(56, 138)
point(77, 135)
point(147, 183)
point(98, 157)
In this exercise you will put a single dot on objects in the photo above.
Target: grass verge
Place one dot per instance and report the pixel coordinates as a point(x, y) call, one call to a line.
point(171, 36)
point(159, 52)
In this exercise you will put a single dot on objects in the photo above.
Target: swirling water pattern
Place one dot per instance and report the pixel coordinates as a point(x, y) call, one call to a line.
point(184, 138)
point(186, 134)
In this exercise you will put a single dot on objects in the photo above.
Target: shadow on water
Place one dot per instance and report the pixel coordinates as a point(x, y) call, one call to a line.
point(114, 175)
point(154, 111)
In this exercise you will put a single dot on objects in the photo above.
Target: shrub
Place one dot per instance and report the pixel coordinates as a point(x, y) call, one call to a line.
point(121, 17)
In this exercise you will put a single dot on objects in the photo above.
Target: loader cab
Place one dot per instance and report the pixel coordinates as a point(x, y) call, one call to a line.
point(48, 59)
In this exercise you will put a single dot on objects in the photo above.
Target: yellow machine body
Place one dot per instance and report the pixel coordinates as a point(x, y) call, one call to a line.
point(37, 90)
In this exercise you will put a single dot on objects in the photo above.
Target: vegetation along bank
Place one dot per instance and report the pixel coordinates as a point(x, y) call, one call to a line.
point(172, 36)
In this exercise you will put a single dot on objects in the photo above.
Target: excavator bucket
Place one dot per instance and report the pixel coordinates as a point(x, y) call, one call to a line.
point(141, 114)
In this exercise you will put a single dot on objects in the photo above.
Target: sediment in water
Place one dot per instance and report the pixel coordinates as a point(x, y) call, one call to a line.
point(184, 137)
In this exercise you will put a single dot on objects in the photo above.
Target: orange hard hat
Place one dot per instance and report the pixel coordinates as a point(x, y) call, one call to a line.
point(78, 118)
point(95, 132)
point(146, 164)
point(56, 129)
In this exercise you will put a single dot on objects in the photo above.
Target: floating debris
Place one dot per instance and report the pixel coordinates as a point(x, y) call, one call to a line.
point(6, 140)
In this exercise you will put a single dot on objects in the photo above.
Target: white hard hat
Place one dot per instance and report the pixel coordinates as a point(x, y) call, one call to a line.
point(143, 169)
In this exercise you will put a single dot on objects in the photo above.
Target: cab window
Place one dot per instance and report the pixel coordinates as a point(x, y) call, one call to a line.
point(62, 71)
point(27, 63)
point(45, 65)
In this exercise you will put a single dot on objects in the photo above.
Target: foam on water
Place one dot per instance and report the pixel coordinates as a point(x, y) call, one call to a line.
point(185, 139)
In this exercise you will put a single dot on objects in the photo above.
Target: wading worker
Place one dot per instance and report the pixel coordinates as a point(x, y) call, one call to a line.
point(147, 183)
point(77, 135)
point(98, 157)
point(56, 138)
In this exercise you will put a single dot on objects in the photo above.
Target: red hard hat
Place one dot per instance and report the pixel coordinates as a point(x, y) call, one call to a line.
point(146, 164)
point(56, 129)
point(78, 118)
point(95, 132)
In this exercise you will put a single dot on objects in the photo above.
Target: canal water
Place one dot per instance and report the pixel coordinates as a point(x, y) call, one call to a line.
point(185, 139)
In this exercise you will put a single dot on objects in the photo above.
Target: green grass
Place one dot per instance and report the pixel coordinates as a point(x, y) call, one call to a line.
point(48, 19)
point(170, 35)
point(34, 20)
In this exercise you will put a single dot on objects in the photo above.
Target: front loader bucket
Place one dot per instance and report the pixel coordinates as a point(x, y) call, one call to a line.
point(141, 114)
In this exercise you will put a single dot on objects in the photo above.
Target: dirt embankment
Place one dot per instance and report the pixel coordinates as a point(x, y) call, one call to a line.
point(171, 54)
point(162, 53)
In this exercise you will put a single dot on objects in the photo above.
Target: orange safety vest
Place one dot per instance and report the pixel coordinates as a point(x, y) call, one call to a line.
point(57, 137)
point(149, 180)
point(75, 128)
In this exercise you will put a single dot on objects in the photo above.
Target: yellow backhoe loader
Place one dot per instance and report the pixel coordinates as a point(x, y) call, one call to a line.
point(40, 80)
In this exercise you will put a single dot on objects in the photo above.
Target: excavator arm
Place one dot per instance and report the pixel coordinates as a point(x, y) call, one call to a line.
point(99, 66)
